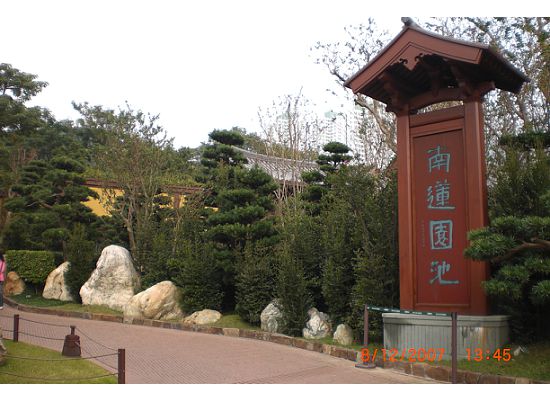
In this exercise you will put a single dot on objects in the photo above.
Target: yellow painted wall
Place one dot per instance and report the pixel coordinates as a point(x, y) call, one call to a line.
point(100, 208)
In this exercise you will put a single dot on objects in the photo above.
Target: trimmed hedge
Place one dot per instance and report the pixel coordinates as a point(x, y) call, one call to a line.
point(31, 265)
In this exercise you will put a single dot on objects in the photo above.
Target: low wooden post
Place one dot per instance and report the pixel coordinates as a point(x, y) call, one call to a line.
point(121, 366)
point(16, 328)
point(366, 328)
point(365, 364)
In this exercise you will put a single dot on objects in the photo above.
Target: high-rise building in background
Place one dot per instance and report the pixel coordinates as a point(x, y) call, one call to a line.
point(345, 127)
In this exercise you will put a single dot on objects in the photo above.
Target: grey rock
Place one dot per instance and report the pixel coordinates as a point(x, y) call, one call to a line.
point(271, 317)
point(318, 326)
point(203, 317)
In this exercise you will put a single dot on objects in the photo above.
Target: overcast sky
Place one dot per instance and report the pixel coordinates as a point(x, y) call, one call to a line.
point(201, 65)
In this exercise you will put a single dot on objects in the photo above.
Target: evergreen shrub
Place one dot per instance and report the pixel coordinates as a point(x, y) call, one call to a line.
point(295, 299)
point(81, 254)
point(255, 284)
point(198, 277)
point(33, 266)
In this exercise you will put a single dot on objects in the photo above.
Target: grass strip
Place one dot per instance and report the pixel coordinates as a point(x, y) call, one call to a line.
point(33, 364)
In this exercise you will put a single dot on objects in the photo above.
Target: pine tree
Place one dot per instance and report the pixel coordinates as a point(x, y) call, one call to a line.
point(517, 241)
point(48, 204)
point(244, 201)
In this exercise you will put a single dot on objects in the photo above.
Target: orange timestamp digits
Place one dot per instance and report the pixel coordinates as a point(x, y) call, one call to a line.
point(410, 355)
point(486, 354)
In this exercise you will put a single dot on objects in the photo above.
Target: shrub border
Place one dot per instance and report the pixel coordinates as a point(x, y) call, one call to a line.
point(421, 370)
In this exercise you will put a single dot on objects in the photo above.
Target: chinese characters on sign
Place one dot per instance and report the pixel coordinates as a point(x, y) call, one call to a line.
point(438, 196)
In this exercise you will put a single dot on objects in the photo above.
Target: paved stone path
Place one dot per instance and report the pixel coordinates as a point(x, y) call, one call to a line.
point(155, 355)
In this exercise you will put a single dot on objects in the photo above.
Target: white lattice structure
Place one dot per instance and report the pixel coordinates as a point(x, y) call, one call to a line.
point(281, 169)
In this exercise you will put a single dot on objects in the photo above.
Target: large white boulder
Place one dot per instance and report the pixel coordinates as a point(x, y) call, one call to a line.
point(203, 317)
point(158, 302)
point(318, 326)
point(343, 335)
point(55, 287)
point(271, 317)
point(114, 281)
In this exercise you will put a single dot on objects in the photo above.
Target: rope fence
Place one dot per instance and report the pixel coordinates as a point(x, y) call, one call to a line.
point(92, 340)
point(41, 337)
point(43, 323)
point(39, 333)
point(58, 359)
point(100, 361)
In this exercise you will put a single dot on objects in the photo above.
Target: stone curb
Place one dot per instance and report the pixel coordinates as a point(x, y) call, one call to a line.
point(443, 374)
point(422, 370)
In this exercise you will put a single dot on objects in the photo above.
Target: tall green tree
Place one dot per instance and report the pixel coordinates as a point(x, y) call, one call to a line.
point(130, 151)
point(292, 291)
point(243, 199)
point(255, 282)
point(18, 125)
point(334, 157)
point(47, 205)
point(302, 234)
point(376, 261)
point(359, 217)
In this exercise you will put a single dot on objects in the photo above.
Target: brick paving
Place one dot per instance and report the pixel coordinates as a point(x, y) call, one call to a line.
point(155, 355)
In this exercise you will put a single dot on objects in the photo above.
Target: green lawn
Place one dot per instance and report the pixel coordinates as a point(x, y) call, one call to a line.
point(70, 371)
point(534, 365)
point(232, 320)
point(30, 298)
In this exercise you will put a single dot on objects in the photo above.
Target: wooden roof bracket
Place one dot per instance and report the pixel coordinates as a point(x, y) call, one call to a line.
point(399, 91)
point(469, 89)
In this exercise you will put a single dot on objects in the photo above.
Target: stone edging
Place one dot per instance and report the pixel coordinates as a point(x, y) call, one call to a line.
point(422, 370)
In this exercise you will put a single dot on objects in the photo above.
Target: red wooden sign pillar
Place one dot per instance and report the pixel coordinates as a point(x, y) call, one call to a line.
point(441, 160)
point(442, 195)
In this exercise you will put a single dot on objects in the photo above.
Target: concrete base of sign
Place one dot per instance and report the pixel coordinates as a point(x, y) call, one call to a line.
point(405, 331)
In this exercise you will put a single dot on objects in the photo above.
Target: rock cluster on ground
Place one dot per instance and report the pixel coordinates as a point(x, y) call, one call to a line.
point(114, 284)
point(343, 335)
point(13, 284)
point(158, 302)
point(114, 281)
point(55, 287)
point(318, 326)
point(203, 317)
point(271, 317)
